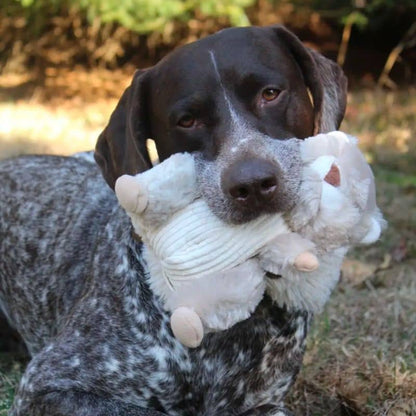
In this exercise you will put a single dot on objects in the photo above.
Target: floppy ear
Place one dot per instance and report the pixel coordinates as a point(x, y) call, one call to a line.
point(325, 80)
point(121, 147)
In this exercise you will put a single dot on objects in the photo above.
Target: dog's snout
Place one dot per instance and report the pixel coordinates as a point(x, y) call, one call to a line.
point(251, 182)
point(263, 187)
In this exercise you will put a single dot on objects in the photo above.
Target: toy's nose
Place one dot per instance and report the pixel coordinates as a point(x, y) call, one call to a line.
point(251, 183)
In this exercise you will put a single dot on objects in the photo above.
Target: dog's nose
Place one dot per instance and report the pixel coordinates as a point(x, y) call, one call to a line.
point(251, 182)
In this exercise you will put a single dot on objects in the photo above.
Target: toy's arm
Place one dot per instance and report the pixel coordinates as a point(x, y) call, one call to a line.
point(153, 196)
point(307, 291)
point(288, 250)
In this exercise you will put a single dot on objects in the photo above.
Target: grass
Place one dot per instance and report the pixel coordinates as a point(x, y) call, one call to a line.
point(361, 356)
point(11, 369)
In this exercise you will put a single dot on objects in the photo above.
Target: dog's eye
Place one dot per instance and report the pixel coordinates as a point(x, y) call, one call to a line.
point(270, 94)
point(186, 121)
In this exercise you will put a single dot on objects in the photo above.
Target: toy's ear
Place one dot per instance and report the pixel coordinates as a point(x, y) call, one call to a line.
point(333, 177)
point(325, 80)
point(121, 147)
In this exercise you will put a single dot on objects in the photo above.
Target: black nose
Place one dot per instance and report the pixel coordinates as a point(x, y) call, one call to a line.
point(251, 182)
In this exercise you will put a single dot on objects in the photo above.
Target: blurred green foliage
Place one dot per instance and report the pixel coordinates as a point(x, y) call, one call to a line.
point(39, 33)
point(146, 16)
point(141, 16)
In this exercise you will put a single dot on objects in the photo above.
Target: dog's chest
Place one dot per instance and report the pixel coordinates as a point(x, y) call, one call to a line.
point(251, 364)
point(119, 343)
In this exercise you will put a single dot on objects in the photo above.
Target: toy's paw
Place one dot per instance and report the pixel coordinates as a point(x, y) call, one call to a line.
point(187, 327)
point(306, 262)
point(131, 194)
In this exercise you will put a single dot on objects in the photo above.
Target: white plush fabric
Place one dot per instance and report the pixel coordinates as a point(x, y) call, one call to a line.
point(307, 291)
point(195, 242)
point(336, 216)
point(152, 197)
point(220, 299)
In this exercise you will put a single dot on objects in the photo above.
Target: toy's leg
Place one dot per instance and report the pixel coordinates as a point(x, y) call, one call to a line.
point(187, 326)
point(131, 194)
point(306, 262)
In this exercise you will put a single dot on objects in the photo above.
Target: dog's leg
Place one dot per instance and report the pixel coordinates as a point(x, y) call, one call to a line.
point(70, 403)
point(267, 410)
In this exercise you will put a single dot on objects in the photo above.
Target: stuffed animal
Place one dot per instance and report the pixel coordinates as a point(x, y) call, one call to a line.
point(203, 269)
point(211, 275)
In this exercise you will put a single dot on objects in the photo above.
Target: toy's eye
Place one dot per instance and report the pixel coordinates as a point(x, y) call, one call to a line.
point(270, 94)
point(186, 121)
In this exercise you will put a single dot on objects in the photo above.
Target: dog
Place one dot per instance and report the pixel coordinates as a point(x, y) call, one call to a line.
point(73, 280)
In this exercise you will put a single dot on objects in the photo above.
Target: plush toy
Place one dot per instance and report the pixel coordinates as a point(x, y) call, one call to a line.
point(336, 210)
point(203, 269)
point(211, 275)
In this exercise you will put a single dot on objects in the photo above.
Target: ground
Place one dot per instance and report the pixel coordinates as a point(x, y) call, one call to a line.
point(361, 356)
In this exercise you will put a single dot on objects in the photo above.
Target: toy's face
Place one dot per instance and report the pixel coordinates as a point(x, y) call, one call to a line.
point(337, 197)
point(234, 99)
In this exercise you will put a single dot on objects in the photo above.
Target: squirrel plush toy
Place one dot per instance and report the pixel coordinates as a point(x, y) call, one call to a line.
point(211, 274)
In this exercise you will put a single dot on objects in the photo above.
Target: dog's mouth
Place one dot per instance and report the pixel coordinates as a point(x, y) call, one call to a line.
point(241, 186)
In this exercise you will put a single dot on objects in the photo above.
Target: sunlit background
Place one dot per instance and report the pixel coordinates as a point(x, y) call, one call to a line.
point(65, 63)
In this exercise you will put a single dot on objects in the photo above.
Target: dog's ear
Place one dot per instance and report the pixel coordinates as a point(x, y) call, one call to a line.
point(121, 147)
point(325, 80)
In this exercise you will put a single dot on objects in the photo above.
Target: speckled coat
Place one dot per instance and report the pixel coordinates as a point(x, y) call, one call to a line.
point(100, 340)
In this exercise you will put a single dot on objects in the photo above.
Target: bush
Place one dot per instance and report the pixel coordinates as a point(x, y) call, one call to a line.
point(40, 33)
point(141, 16)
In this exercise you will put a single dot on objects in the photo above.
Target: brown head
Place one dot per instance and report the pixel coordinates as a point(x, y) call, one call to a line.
point(234, 99)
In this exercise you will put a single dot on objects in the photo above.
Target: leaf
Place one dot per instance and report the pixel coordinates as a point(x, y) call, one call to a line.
point(356, 18)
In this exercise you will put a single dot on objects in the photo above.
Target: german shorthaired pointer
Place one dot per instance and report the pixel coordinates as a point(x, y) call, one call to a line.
point(73, 281)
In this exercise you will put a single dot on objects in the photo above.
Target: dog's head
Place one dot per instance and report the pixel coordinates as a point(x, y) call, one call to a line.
point(233, 98)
